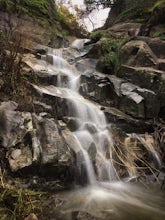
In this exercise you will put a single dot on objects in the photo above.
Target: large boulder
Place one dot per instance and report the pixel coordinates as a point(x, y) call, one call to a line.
point(152, 83)
point(110, 90)
point(10, 124)
point(133, 100)
point(144, 77)
point(31, 140)
point(86, 66)
point(95, 52)
point(53, 149)
point(121, 29)
point(97, 87)
point(137, 53)
point(156, 44)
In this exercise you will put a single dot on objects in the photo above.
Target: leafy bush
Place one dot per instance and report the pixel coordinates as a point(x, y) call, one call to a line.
point(95, 36)
point(109, 62)
point(134, 13)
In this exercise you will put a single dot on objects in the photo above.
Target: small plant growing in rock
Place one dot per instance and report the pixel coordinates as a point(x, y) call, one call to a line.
point(95, 36)
point(109, 61)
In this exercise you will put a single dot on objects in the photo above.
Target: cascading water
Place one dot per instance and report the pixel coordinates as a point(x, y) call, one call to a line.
point(94, 129)
point(102, 198)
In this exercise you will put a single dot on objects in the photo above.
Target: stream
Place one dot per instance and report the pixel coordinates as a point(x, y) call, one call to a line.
point(104, 195)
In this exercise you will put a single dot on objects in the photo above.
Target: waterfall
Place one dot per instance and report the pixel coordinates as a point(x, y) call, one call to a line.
point(105, 197)
point(94, 130)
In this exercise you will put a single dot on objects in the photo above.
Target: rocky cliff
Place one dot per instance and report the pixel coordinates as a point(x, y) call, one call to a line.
point(120, 72)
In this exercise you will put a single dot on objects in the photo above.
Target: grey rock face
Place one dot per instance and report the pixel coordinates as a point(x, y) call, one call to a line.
point(10, 121)
point(31, 139)
point(137, 53)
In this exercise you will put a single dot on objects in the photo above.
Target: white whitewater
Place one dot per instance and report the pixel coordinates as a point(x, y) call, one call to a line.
point(94, 129)
point(105, 197)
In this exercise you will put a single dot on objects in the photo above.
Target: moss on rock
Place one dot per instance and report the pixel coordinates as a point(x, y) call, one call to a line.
point(32, 7)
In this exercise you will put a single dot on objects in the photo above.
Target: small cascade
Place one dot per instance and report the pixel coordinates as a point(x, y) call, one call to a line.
point(105, 197)
point(79, 43)
point(94, 130)
point(56, 52)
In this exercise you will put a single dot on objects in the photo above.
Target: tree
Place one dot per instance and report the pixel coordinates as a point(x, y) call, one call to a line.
point(119, 4)
point(95, 4)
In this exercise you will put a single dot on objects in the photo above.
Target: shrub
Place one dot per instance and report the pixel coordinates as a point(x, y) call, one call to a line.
point(109, 62)
point(95, 36)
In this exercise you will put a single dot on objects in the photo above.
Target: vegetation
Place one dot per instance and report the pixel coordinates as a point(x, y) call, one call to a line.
point(32, 7)
point(13, 40)
point(156, 5)
point(69, 21)
point(109, 61)
point(160, 33)
point(11, 54)
point(96, 36)
point(16, 204)
point(134, 13)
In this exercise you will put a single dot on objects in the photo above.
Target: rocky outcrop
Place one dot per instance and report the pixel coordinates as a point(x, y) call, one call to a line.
point(122, 29)
point(155, 44)
point(45, 137)
point(33, 30)
point(143, 65)
point(138, 89)
point(116, 92)
point(137, 53)
point(31, 139)
point(145, 77)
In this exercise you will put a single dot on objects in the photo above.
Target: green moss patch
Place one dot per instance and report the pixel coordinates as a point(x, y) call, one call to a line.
point(31, 7)
point(109, 61)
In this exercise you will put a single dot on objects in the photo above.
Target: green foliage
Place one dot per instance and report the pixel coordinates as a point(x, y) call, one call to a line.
point(109, 45)
point(18, 203)
point(160, 33)
point(135, 13)
point(8, 4)
point(32, 7)
point(156, 5)
point(69, 21)
point(95, 36)
point(109, 61)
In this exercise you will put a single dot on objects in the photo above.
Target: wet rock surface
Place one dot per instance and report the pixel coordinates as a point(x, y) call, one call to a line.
point(31, 139)
point(119, 121)
point(131, 100)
